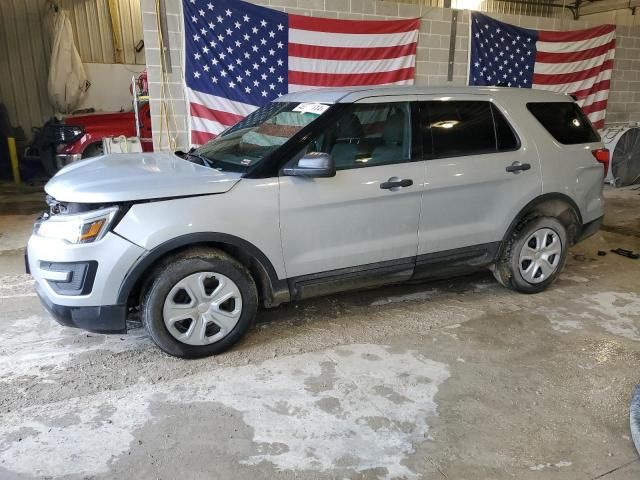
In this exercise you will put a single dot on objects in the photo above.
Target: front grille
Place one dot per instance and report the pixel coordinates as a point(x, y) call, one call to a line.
point(60, 133)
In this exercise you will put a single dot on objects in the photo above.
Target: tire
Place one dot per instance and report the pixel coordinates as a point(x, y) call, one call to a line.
point(525, 264)
point(48, 161)
point(634, 417)
point(192, 325)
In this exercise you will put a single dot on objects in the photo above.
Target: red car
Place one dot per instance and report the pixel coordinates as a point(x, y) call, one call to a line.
point(76, 137)
point(88, 131)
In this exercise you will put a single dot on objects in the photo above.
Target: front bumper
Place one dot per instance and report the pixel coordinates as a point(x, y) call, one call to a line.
point(112, 256)
point(102, 319)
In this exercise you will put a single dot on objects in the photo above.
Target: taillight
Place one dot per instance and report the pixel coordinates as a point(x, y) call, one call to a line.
point(602, 155)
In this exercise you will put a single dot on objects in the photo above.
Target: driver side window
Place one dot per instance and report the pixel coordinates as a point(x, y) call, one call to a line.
point(368, 135)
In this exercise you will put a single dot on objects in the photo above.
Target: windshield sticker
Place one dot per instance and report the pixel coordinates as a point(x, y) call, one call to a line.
point(245, 162)
point(317, 108)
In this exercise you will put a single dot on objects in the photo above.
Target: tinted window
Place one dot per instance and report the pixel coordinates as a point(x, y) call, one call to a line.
point(455, 128)
point(565, 121)
point(461, 128)
point(505, 135)
point(368, 134)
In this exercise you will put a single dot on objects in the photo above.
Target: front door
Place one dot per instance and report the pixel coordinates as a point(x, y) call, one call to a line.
point(368, 213)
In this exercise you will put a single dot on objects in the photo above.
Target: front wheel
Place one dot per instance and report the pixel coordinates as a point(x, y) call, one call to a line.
point(200, 303)
point(534, 255)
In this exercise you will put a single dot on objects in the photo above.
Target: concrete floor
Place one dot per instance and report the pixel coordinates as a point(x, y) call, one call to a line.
point(458, 379)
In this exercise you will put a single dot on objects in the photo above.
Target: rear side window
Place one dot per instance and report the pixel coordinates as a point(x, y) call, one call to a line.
point(456, 128)
point(565, 121)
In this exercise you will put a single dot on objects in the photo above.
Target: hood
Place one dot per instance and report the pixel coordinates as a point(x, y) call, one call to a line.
point(136, 176)
point(99, 119)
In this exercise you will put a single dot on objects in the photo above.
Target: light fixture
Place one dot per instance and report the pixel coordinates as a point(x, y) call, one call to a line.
point(466, 4)
point(445, 124)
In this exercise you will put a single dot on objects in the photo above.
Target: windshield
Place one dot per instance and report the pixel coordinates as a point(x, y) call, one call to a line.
point(260, 133)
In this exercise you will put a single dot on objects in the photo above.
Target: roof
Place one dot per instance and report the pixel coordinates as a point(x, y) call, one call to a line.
point(353, 94)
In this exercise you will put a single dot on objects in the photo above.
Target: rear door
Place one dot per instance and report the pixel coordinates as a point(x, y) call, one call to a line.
point(358, 217)
point(480, 172)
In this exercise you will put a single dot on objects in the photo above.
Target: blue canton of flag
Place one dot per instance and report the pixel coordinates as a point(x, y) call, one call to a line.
point(501, 54)
point(235, 50)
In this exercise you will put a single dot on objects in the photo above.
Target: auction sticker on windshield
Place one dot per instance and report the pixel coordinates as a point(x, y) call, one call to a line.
point(317, 108)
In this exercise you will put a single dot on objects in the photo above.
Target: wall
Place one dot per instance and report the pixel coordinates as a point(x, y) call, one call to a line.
point(93, 33)
point(109, 91)
point(612, 11)
point(431, 58)
point(25, 50)
point(24, 62)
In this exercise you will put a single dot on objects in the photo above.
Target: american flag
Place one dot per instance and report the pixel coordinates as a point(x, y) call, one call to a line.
point(239, 56)
point(577, 62)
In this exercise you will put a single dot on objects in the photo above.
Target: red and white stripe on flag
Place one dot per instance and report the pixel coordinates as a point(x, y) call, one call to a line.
point(578, 62)
point(325, 52)
point(320, 52)
point(209, 115)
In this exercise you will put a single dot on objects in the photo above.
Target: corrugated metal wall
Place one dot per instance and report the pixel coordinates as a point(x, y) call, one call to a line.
point(131, 19)
point(25, 49)
point(531, 7)
point(92, 29)
point(24, 62)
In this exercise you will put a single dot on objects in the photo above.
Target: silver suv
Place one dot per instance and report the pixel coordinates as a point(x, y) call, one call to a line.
point(319, 192)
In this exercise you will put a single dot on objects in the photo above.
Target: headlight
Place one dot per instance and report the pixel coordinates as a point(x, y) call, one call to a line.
point(68, 133)
point(80, 228)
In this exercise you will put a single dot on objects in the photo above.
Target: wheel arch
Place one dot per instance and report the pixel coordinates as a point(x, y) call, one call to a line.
point(555, 205)
point(271, 290)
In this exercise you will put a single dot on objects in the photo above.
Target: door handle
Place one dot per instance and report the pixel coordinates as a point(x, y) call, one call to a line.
point(395, 183)
point(517, 167)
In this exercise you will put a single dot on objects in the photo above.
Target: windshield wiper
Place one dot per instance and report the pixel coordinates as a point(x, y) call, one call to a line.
point(205, 161)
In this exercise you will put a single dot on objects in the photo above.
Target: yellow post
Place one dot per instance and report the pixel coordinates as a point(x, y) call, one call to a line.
point(13, 156)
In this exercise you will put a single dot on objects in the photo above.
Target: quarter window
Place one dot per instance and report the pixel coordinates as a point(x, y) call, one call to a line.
point(565, 121)
point(367, 135)
point(505, 136)
point(456, 128)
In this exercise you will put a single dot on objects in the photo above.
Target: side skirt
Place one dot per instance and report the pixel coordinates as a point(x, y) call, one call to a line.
point(458, 261)
point(351, 278)
point(448, 263)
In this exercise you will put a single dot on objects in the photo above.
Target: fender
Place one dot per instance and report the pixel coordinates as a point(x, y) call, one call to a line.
point(539, 200)
point(275, 291)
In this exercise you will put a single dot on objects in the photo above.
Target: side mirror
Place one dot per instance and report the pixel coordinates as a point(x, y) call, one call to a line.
point(314, 164)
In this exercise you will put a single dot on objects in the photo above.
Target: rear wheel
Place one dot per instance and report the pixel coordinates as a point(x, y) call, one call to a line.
point(200, 303)
point(533, 256)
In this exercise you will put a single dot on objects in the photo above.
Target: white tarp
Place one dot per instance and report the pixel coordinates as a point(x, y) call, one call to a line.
point(67, 79)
